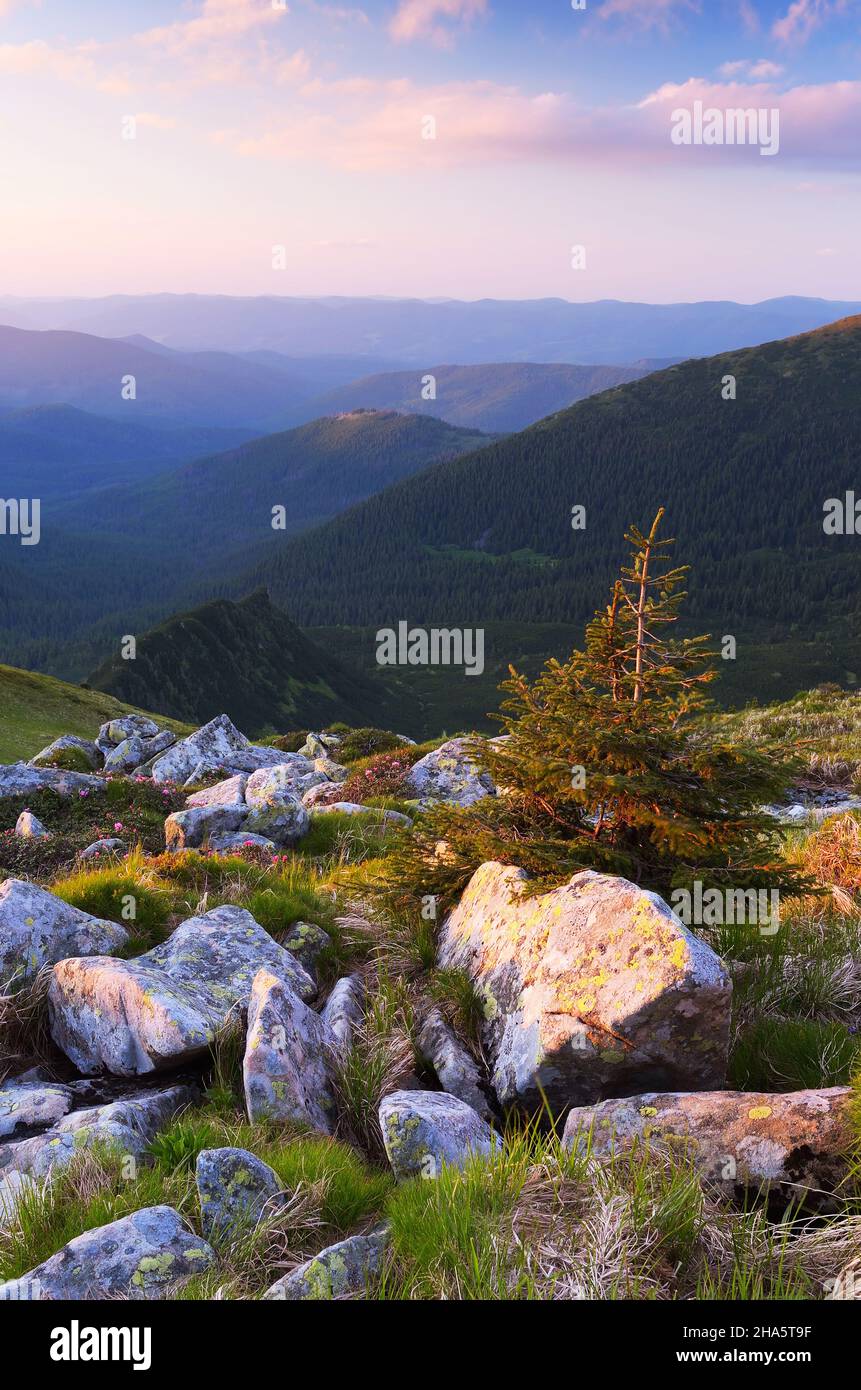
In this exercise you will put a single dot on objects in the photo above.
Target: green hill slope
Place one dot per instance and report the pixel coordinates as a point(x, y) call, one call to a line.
point(249, 660)
point(35, 709)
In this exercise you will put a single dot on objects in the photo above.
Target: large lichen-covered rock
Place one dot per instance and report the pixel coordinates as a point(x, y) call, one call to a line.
point(134, 751)
point(145, 1255)
point(286, 1067)
point(323, 794)
point(215, 746)
point(744, 1141)
point(235, 1188)
point(166, 1006)
point(191, 829)
point(348, 1267)
point(37, 928)
point(116, 731)
point(307, 942)
point(228, 792)
point(32, 1105)
point(424, 1130)
point(450, 774)
point(344, 1010)
point(69, 751)
point(126, 1125)
point(275, 808)
point(29, 827)
point(593, 990)
point(456, 1069)
point(20, 779)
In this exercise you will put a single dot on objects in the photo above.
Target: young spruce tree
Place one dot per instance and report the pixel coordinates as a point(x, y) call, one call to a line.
point(607, 763)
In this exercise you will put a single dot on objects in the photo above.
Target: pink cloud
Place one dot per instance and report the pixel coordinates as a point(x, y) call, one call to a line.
point(218, 20)
point(649, 14)
point(62, 64)
point(419, 19)
point(803, 16)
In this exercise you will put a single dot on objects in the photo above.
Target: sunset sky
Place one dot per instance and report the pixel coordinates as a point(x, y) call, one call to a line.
point(301, 126)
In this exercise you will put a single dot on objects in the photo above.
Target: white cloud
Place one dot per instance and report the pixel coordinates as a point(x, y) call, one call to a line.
point(419, 19)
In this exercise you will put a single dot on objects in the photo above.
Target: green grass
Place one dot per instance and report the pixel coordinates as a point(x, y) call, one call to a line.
point(793, 1054)
point(125, 892)
point(37, 709)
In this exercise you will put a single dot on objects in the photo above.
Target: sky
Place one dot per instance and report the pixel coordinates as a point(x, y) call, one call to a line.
point(428, 148)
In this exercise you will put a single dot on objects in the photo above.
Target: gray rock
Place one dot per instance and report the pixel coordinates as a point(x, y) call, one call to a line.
point(235, 1188)
point(796, 1142)
point(332, 771)
point(36, 929)
point(319, 746)
point(31, 1105)
point(286, 1064)
point(128, 726)
point(55, 753)
point(321, 794)
point(29, 827)
point(456, 1069)
point(307, 942)
point(352, 808)
point(257, 756)
point(134, 752)
point(20, 779)
point(229, 792)
point(450, 774)
point(211, 748)
point(235, 840)
point(338, 1271)
point(590, 990)
point(424, 1130)
point(344, 1010)
point(142, 1256)
point(192, 829)
point(166, 1006)
point(102, 847)
point(127, 1126)
point(275, 810)
point(15, 1188)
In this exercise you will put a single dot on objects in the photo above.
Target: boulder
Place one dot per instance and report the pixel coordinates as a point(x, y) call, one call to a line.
point(450, 774)
point(37, 928)
point(275, 809)
point(142, 1256)
point(456, 1069)
point(235, 840)
point(101, 847)
point(332, 771)
point(322, 794)
point(131, 1017)
point(235, 1188)
point(32, 1105)
point(423, 1130)
point(69, 751)
point(746, 1142)
point(307, 942)
point(191, 829)
point(286, 1064)
point(20, 779)
point(211, 748)
point(229, 792)
point(344, 1010)
point(338, 1271)
point(592, 990)
point(15, 1188)
point(126, 1125)
point(352, 808)
point(29, 827)
point(116, 731)
point(134, 752)
point(319, 746)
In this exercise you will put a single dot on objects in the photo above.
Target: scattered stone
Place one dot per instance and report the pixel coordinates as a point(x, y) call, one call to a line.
point(100, 847)
point(746, 1142)
point(352, 808)
point(333, 772)
point(166, 1006)
point(422, 1130)
point(275, 809)
point(307, 942)
point(322, 794)
point(346, 1268)
point(456, 1069)
point(192, 829)
point(14, 1188)
point(68, 751)
point(229, 792)
point(134, 752)
point(29, 827)
point(127, 1125)
point(31, 1105)
point(239, 839)
point(145, 1255)
point(450, 774)
point(235, 1187)
point(116, 731)
point(37, 928)
point(344, 1010)
point(214, 746)
point(20, 779)
point(590, 990)
point(285, 1067)
point(319, 746)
